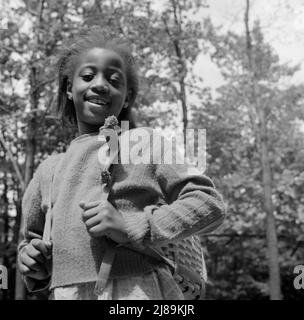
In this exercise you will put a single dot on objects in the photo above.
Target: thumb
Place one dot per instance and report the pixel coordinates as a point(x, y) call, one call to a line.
point(42, 246)
point(48, 244)
point(82, 204)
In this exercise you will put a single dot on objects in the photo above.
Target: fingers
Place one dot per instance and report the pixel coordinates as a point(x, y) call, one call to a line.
point(35, 254)
point(97, 231)
point(88, 205)
point(95, 220)
point(81, 204)
point(97, 216)
point(32, 263)
point(33, 259)
point(29, 262)
point(93, 210)
point(91, 213)
point(25, 270)
point(44, 247)
point(39, 275)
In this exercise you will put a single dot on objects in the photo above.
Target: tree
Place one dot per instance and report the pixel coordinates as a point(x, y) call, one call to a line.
point(30, 55)
point(259, 105)
point(260, 110)
point(166, 43)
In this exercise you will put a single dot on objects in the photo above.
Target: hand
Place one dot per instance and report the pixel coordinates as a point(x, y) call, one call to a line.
point(102, 219)
point(35, 259)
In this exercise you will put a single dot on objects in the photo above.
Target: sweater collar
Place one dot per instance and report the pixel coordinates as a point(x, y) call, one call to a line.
point(84, 136)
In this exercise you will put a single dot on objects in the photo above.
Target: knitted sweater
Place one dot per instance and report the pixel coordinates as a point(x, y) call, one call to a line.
point(160, 203)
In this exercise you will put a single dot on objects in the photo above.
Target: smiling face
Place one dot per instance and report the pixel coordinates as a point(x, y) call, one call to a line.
point(99, 88)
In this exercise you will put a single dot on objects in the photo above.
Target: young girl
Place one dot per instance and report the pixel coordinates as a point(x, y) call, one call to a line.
point(148, 206)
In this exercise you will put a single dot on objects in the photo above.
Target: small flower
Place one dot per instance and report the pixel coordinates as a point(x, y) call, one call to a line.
point(111, 122)
point(106, 177)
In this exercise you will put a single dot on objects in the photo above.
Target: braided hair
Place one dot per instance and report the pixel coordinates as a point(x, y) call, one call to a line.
point(95, 37)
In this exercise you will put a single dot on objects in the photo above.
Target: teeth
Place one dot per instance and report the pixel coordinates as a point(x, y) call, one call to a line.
point(97, 101)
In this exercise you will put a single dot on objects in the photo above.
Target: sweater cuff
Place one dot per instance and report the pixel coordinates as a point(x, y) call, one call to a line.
point(34, 285)
point(138, 226)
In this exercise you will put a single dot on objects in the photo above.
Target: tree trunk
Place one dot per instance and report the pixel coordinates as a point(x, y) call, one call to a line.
point(20, 292)
point(6, 227)
point(34, 80)
point(182, 67)
point(185, 111)
point(271, 234)
point(6, 217)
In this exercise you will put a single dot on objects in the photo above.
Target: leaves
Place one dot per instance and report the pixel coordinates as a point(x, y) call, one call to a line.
point(236, 257)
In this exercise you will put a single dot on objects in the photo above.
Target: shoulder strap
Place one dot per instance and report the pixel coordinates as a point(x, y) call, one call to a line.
point(49, 217)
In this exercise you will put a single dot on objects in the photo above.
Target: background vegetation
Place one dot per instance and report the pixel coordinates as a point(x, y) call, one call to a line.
point(254, 126)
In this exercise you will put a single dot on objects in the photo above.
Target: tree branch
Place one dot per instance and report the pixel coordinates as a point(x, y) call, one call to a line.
point(4, 109)
point(13, 161)
point(43, 83)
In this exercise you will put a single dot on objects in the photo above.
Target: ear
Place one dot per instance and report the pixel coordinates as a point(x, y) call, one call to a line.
point(128, 99)
point(69, 91)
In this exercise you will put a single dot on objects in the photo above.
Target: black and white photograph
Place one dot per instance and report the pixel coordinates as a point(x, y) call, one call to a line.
point(152, 150)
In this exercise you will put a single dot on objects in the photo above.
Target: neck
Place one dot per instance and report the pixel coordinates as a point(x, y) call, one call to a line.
point(85, 128)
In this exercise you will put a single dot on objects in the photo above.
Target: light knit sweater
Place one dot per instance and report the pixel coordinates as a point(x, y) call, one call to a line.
point(160, 203)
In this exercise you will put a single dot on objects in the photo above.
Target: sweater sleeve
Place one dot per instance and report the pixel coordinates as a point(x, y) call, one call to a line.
point(33, 223)
point(192, 205)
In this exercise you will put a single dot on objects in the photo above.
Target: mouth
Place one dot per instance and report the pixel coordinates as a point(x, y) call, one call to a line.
point(96, 100)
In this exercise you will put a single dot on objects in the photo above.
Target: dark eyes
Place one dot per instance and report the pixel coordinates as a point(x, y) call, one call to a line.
point(87, 77)
point(114, 79)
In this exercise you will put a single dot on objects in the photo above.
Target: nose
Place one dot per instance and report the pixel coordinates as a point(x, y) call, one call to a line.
point(100, 85)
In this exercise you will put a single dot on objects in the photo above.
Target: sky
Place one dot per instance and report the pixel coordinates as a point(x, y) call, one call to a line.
point(282, 22)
